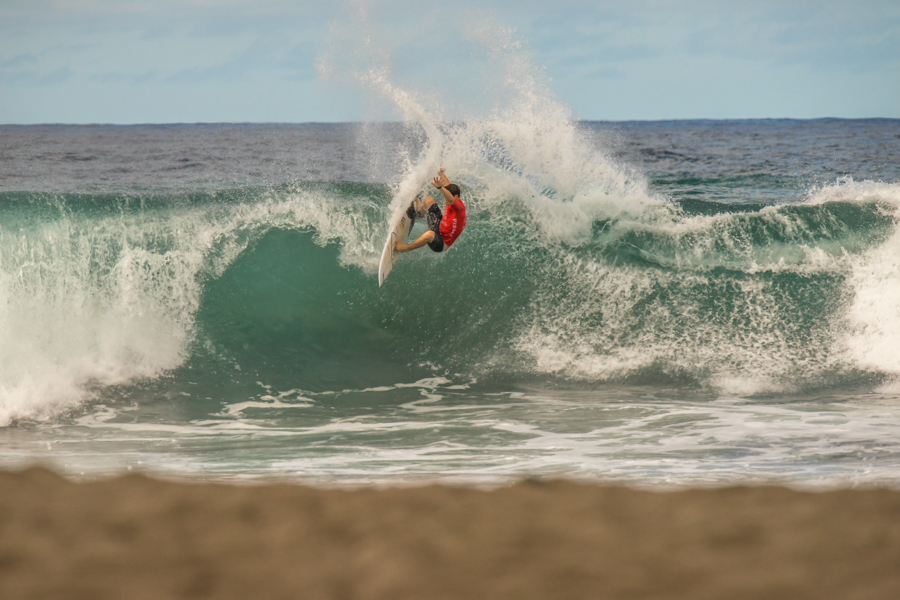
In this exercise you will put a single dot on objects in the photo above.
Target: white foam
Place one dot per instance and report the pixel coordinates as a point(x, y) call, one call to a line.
point(870, 328)
point(90, 302)
point(83, 306)
point(846, 189)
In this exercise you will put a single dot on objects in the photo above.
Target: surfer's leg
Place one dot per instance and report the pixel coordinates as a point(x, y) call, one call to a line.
point(425, 238)
point(418, 208)
point(434, 216)
point(422, 206)
point(414, 211)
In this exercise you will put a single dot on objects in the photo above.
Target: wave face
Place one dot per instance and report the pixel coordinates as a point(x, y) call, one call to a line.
point(576, 270)
point(784, 299)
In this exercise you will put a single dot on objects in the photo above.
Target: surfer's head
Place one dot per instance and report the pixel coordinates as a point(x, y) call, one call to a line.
point(453, 189)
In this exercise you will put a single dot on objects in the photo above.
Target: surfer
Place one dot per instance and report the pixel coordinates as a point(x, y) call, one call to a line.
point(444, 226)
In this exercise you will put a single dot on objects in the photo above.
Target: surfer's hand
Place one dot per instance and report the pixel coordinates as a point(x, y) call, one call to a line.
point(398, 246)
point(441, 180)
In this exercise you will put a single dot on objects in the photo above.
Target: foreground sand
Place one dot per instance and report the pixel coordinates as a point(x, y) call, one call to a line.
point(134, 537)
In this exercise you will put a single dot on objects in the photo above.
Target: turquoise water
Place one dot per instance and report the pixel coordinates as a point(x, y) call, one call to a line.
point(657, 303)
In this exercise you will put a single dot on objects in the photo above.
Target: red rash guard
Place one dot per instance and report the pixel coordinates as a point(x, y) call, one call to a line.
point(454, 222)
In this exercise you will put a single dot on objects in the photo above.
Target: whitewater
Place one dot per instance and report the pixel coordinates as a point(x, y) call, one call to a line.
point(652, 302)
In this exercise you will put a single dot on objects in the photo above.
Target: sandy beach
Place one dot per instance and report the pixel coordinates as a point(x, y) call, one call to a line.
point(137, 537)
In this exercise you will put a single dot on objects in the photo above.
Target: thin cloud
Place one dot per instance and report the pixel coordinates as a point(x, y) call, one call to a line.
point(118, 77)
point(827, 38)
point(18, 61)
point(37, 78)
point(265, 54)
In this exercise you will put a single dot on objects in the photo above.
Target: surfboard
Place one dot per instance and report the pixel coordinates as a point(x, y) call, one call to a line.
point(400, 227)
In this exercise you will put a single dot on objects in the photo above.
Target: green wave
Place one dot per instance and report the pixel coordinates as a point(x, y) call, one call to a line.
point(276, 284)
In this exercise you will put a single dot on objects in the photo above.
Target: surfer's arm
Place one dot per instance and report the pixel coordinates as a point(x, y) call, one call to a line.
point(440, 182)
point(448, 197)
point(423, 239)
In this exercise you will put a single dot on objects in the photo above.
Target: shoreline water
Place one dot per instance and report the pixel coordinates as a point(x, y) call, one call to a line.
point(135, 536)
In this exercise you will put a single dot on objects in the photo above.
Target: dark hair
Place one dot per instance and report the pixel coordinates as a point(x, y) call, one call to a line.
point(453, 189)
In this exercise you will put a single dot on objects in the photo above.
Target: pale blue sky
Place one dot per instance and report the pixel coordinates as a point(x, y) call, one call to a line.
point(158, 61)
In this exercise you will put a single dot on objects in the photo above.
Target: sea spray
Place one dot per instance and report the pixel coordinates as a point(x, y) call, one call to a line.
point(528, 135)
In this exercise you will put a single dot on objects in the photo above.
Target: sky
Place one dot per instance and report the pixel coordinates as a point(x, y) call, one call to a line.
point(168, 61)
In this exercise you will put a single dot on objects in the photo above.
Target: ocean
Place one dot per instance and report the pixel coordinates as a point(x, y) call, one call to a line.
point(652, 303)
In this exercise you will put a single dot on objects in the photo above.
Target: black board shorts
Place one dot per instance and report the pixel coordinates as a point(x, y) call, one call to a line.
point(433, 219)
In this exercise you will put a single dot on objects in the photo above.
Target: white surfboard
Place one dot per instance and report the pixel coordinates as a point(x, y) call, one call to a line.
point(399, 232)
